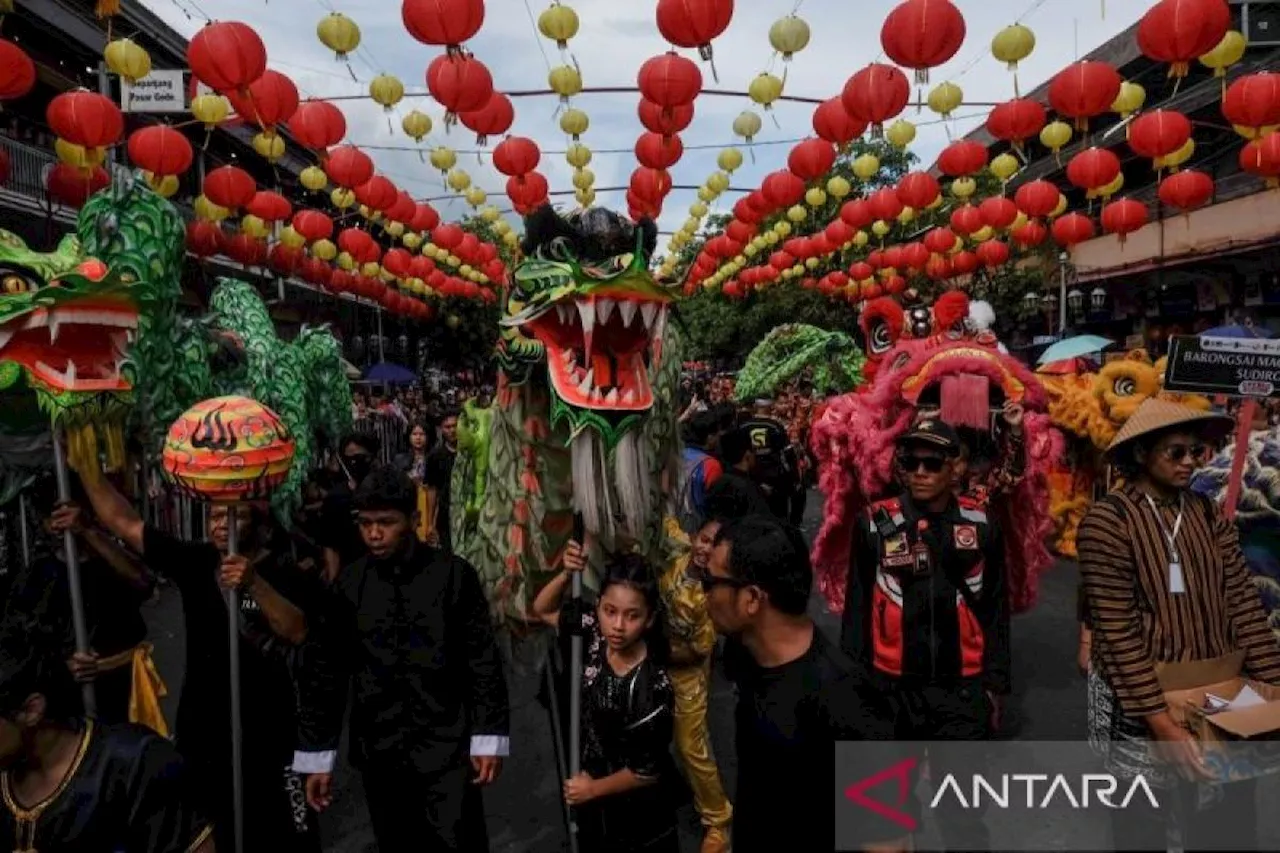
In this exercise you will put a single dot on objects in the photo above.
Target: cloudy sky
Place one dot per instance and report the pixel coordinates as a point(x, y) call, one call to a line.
point(615, 38)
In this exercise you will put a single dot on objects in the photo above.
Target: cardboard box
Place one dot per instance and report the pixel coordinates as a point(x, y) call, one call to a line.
point(1238, 744)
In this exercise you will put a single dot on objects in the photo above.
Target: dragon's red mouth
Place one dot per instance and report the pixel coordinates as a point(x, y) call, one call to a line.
point(599, 349)
point(77, 347)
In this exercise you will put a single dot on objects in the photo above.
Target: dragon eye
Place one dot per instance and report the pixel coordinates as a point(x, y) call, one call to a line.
point(880, 341)
point(16, 284)
point(559, 250)
point(1124, 387)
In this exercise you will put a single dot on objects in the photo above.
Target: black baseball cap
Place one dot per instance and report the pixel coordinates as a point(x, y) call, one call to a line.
point(935, 433)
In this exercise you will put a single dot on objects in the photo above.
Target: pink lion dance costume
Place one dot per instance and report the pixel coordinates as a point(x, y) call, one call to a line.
point(946, 361)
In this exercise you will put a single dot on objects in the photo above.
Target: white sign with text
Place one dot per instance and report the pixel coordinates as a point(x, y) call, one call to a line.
point(158, 92)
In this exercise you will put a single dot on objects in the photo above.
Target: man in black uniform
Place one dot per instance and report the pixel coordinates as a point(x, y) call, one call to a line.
point(769, 444)
point(926, 609)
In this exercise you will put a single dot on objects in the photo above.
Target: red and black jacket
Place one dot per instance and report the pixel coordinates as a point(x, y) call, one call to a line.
point(944, 625)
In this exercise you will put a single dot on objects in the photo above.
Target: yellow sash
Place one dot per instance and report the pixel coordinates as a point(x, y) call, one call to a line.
point(426, 514)
point(147, 688)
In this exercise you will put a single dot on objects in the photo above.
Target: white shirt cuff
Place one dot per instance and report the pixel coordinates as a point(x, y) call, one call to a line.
point(490, 745)
point(314, 762)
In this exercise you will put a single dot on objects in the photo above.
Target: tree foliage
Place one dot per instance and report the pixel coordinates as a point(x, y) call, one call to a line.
point(465, 331)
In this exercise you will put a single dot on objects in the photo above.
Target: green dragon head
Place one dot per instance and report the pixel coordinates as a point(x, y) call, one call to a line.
point(139, 234)
point(583, 300)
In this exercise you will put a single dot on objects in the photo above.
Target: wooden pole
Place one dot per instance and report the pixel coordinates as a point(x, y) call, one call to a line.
point(73, 570)
point(1244, 427)
point(237, 723)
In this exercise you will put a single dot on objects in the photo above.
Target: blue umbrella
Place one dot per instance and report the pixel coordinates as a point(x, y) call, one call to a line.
point(391, 374)
point(1235, 331)
point(1075, 347)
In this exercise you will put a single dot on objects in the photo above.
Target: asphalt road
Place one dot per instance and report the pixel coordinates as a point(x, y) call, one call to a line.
point(523, 808)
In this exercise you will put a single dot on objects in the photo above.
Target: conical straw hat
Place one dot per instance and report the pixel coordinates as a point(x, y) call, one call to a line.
point(1155, 415)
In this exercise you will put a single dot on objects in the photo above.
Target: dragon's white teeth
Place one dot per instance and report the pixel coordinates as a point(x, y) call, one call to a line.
point(562, 312)
point(5, 335)
point(628, 311)
point(587, 314)
point(596, 396)
point(604, 310)
point(648, 311)
point(567, 357)
point(54, 325)
point(587, 383)
point(612, 397)
point(628, 397)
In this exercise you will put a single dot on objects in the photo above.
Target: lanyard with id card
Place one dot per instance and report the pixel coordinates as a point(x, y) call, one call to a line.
point(1177, 583)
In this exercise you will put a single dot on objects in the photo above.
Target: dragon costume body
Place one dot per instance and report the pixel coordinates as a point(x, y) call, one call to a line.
point(945, 362)
point(583, 421)
point(1089, 408)
point(94, 327)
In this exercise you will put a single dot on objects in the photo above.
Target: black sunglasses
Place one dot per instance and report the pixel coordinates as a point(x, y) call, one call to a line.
point(931, 464)
point(710, 581)
point(1178, 452)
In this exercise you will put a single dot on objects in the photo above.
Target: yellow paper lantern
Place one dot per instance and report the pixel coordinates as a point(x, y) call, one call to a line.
point(78, 155)
point(210, 110)
point(782, 228)
point(452, 260)
point(907, 216)
point(797, 214)
point(164, 185)
point(750, 250)
point(345, 261)
point(386, 90)
point(880, 228)
point(747, 125)
point(1004, 166)
point(812, 263)
point(771, 238)
point(815, 197)
point(1013, 44)
point(558, 23)
point(458, 180)
point(1055, 135)
point(416, 125)
point(511, 238)
point(1177, 158)
point(1018, 222)
point(269, 146)
point(126, 58)
point(697, 210)
point(313, 178)
point(584, 179)
point(788, 36)
point(565, 81)
point(1228, 52)
point(578, 155)
point(325, 250)
point(373, 269)
point(1252, 133)
point(901, 133)
point(475, 196)
point(729, 160)
point(690, 225)
point(861, 239)
point(574, 122)
point(338, 33)
point(585, 197)
point(936, 203)
point(1129, 100)
point(412, 240)
point(209, 211)
point(765, 89)
point(442, 158)
point(706, 194)
point(501, 226)
point(1109, 190)
point(962, 188)
point(342, 198)
point(866, 166)
point(490, 214)
point(982, 234)
point(292, 238)
point(718, 182)
point(839, 187)
point(1060, 208)
point(431, 250)
point(253, 226)
point(944, 98)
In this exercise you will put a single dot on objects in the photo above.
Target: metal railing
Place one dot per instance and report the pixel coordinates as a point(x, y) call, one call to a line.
point(391, 432)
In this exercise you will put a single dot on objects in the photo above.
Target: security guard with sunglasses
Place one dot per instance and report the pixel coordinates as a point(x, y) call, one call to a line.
point(926, 610)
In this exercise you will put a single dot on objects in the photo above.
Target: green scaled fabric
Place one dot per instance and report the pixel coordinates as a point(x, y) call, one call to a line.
point(788, 352)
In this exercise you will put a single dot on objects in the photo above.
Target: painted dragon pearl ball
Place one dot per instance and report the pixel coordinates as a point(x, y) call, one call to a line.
point(228, 449)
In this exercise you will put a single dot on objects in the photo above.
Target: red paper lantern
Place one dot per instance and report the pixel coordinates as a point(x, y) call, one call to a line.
point(285, 259)
point(962, 157)
point(938, 268)
point(1180, 31)
point(739, 230)
point(377, 193)
point(992, 253)
point(316, 271)
point(876, 94)
point(1037, 198)
point(516, 155)
point(875, 258)
point(655, 151)
point(1084, 89)
point(269, 101)
point(922, 34)
point(893, 258)
point(915, 256)
point(664, 121)
point(1262, 158)
point(468, 248)
point(425, 217)
point(1016, 120)
point(1123, 216)
point(694, 23)
point(964, 263)
point(312, 225)
point(856, 213)
point(493, 119)
point(446, 23)
point(318, 125)
point(1029, 234)
point(398, 262)
point(745, 210)
point(669, 80)
point(246, 250)
point(1186, 190)
point(203, 238)
point(918, 190)
point(348, 166)
point(269, 206)
point(402, 209)
point(832, 122)
point(17, 71)
point(1071, 229)
point(940, 240)
point(1253, 101)
point(359, 245)
point(1093, 168)
point(782, 188)
point(861, 271)
point(227, 56)
point(650, 185)
point(526, 190)
point(884, 204)
point(1159, 132)
point(781, 260)
point(85, 118)
point(811, 159)
point(998, 212)
point(460, 82)
point(160, 150)
point(230, 187)
point(966, 219)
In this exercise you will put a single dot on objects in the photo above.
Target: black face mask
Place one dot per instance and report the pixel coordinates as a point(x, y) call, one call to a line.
point(357, 467)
